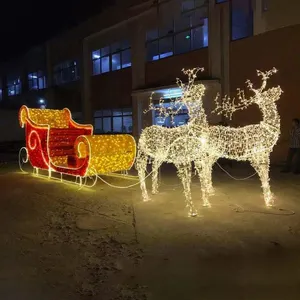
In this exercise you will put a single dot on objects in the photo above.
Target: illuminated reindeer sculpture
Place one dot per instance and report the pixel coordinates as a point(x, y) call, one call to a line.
point(179, 145)
point(203, 144)
point(252, 143)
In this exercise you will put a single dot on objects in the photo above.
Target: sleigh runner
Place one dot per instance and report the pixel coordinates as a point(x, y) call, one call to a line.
point(56, 143)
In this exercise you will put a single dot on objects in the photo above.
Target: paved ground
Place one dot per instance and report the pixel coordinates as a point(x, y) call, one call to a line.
point(61, 243)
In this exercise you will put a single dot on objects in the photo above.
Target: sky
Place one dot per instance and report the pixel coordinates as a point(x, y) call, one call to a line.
point(24, 24)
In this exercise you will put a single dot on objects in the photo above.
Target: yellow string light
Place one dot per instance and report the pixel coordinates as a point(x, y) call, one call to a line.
point(54, 142)
point(203, 144)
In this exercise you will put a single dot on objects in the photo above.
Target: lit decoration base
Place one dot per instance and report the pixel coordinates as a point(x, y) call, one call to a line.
point(55, 143)
point(199, 143)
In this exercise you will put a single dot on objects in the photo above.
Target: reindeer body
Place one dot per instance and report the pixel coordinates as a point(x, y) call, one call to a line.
point(170, 145)
point(253, 143)
point(203, 144)
point(244, 142)
point(178, 145)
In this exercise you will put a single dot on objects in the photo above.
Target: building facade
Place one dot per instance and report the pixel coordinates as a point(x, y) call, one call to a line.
point(105, 69)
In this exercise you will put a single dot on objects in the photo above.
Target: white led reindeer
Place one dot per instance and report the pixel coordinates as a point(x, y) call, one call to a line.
point(252, 143)
point(177, 145)
point(203, 144)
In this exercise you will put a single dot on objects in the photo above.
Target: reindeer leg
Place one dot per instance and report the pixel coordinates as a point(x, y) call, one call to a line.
point(204, 169)
point(155, 167)
point(261, 164)
point(141, 166)
point(184, 173)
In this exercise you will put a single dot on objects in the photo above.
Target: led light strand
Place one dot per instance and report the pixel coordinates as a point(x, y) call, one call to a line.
point(48, 132)
point(203, 144)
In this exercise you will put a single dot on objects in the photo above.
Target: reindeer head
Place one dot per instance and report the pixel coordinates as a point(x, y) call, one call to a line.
point(192, 94)
point(191, 98)
point(261, 97)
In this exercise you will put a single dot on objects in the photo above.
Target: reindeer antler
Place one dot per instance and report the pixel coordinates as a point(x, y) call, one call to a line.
point(165, 112)
point(228, 106)
point(188, 90)
point(192, 75)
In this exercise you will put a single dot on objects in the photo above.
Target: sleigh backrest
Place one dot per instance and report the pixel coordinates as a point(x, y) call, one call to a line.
point(53, 117)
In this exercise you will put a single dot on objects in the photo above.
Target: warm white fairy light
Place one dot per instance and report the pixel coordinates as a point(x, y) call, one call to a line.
point(203, 144)
point(179, 145)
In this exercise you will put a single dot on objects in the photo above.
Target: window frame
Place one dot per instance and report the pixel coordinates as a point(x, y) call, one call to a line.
point(173, 34)
point(63, 68)
point(16, 82)
point(252, 29)
point(183, 112)
point(124, 46)
point(39, 75)
point(125, 112)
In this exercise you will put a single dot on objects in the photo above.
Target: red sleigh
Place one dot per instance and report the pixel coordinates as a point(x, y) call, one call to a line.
point(56, 143)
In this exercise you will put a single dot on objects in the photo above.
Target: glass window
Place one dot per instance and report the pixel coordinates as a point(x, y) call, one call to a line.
point(117, 112)
point(96, 54)
point(107, 125)
point(105, 67)
point(182, 23)
point(127, 111)
point(127, 124)
point(36, 81)
point(183, 42)
point(126, 58)
point(0, 94)
point(221, 1)
point(111, 58)
point(166, 46)
point(200, 36)
point(65, 72)
point(186, 33)
point(197, 18)
point(180, 119)
point(117, 124)
point(113, 121)
point(167, 29)
point(241, 19)
point(104, 51)
point(116, 62)
point(14, 86)
point(98, 125)
point(152, 51)
point(96, 67)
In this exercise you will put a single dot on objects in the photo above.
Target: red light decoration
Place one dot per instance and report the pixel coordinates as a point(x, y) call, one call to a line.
point(55, 142)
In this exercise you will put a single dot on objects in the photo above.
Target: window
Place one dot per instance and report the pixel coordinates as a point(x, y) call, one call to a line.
point(241, 19)
point(0, 94)
point(36, 81)
point(188, 32)
point(179, 119)
point(221, 1)
point(113, 121)
point(65, 72)
point(112, 58)
point(14, 86)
